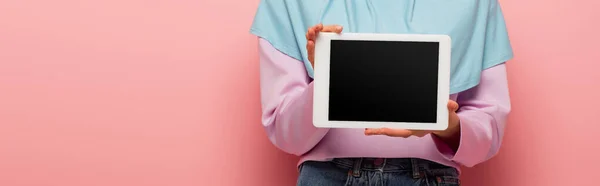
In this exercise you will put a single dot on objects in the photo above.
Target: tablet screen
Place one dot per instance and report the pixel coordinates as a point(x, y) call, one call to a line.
point(383, 81)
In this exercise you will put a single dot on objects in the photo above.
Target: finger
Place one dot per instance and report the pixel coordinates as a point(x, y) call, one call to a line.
point(369, 132)
point(314, 31)
point(311, 34)
point(319, 27)
point(420, 133)
point(310, 47)
point(389, 132)
point(452, 106)
point(333, 28)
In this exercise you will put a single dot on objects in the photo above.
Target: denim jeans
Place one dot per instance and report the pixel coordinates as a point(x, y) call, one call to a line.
point(376, 172)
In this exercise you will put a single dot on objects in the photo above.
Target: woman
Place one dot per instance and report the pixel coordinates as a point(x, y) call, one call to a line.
point(480, 46)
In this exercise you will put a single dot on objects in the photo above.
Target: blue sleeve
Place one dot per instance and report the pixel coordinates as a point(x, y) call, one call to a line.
point(497, 48)
point(273, 23)
point(283, 23)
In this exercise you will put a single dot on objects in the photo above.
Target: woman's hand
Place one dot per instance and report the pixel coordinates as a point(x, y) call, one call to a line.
point(311, 36)
point(450, 134)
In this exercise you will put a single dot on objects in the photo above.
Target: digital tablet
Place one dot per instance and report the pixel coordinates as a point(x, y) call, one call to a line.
point(381, 80)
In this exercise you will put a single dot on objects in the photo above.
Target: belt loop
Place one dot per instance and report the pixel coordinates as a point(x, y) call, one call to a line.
point(416, 172)
point(357, 167)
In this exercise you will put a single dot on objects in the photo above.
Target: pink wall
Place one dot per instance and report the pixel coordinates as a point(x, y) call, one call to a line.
point(147, 92)
point(555, 88)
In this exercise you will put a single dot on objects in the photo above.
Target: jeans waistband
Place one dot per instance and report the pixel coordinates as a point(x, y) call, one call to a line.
point(418, 167)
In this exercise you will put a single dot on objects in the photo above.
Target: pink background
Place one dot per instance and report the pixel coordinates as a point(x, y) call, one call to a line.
point(148, 92)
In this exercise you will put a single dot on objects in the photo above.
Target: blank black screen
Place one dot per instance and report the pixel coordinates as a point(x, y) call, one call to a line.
point(383, 81)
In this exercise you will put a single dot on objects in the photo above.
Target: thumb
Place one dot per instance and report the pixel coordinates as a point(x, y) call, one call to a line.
point(333, 28)
point(452, 106)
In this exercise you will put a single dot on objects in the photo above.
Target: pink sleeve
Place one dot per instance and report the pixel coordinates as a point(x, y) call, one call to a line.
point(286, 97)
point(483, 112)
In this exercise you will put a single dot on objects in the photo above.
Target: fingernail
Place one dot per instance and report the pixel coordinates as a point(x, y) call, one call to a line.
point(338, 27)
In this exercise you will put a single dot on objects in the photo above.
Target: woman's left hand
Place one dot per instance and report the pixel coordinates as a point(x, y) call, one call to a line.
point(452, 130)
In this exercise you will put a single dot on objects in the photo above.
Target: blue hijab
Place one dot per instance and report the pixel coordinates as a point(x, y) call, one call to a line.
point(477, 28)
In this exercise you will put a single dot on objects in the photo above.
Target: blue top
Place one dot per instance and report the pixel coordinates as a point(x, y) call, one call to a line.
point(476, 27)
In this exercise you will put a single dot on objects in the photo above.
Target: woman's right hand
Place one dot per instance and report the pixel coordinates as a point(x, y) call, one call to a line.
point(311, 36)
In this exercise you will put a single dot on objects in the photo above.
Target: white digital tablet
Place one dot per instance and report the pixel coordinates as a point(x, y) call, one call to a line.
point(381, 80)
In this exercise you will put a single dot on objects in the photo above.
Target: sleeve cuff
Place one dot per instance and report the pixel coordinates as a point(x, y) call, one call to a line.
point(473, 145)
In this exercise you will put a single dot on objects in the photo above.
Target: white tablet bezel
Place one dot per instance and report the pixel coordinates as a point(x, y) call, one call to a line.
point(321, 80)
